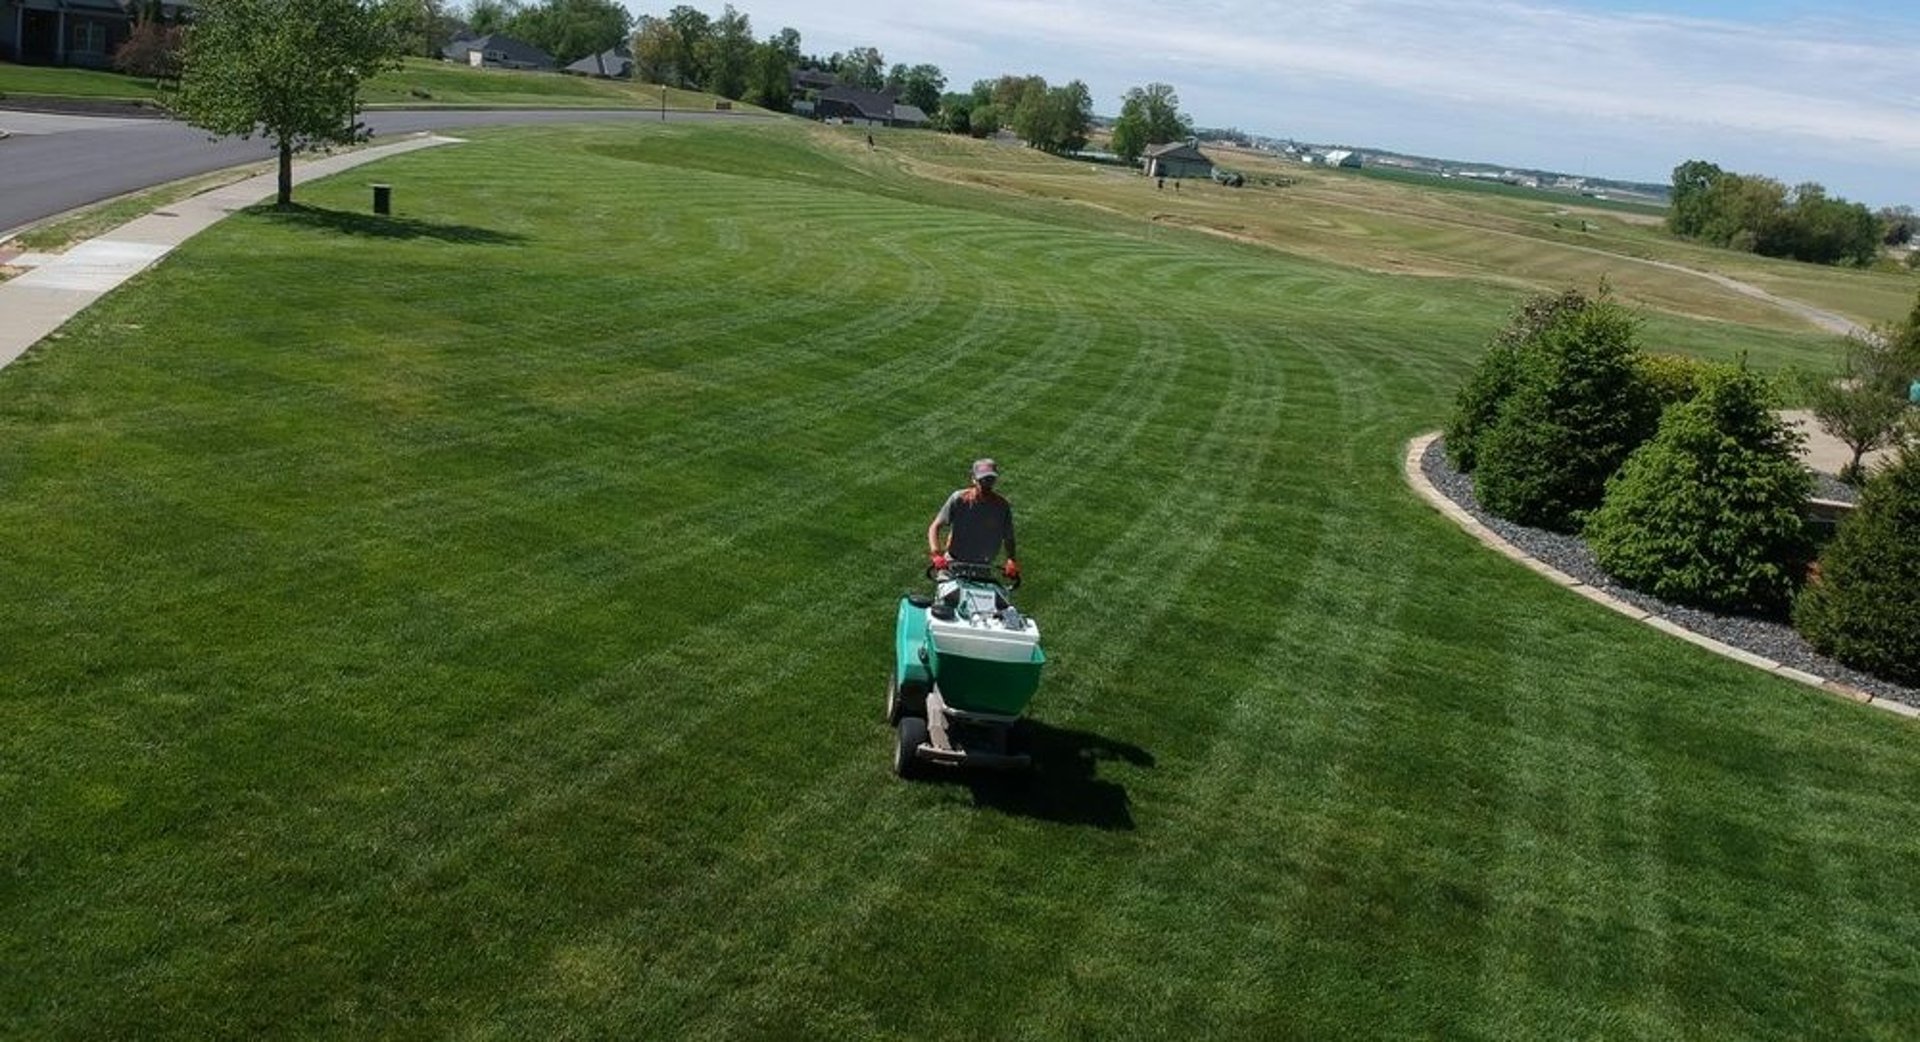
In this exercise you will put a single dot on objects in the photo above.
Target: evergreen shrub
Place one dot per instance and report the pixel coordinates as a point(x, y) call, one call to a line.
point(1493, 382)
point(1676, 378)
point(1711, 511)
point(1576, 409)
point(1864, 606)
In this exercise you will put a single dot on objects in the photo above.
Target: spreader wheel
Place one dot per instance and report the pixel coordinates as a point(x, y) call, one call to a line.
point(904, 701)
point(908, 737)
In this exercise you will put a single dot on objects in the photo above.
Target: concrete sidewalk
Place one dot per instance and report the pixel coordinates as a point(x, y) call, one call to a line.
point(60, 286)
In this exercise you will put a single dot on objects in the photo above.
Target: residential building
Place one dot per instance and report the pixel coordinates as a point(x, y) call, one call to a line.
point(1176, 159)
point(497, 51)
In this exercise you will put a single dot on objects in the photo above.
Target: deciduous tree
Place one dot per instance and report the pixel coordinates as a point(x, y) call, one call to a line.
point(287, 69)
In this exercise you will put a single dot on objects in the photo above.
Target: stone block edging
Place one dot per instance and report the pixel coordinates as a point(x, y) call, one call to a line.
point(1417, 449)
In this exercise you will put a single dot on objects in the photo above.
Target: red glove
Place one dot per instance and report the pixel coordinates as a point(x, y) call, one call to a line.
point(939, 561)
point(1011, 568)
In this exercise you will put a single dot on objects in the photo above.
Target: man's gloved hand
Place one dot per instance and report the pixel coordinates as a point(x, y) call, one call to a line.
point(939, 561)
point(1011, 568)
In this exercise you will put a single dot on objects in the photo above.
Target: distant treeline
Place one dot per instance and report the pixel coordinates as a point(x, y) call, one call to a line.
point(1761, 215)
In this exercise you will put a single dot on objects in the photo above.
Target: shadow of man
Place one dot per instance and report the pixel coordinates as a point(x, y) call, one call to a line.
point(1064, 784)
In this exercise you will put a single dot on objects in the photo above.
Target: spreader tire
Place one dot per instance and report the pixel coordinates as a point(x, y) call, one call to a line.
point(908, 737)
point(904, 700)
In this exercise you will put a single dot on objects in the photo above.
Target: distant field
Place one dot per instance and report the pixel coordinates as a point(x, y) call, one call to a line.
point(472, 624)
point(1416, 226)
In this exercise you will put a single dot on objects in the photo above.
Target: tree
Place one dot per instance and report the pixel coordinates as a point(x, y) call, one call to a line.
point(769, 83)
point(571, 29)
point(921, 86)
point(691, 28)
point(424, 26)
point(486, 17)
point(656, 50)
point(727, 54)
point(1577, 408)
point(151, 50)
point(1710, 511)
point(1477, 408)
point(287, 69)
point(1129, 138)
point(863, 67)
point(1693, 183)
point(1864, 404)
point(1863, 606)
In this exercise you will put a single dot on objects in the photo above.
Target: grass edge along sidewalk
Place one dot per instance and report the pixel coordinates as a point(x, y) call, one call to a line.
point(1417, 448)
point(46, 298)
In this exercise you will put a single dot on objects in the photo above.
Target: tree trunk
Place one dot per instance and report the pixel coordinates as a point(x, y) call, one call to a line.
point(286, 174)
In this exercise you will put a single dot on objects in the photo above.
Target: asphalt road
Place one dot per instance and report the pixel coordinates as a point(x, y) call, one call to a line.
point(52, 164)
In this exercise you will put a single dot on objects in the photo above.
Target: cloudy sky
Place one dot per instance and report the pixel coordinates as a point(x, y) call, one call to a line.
point(1795, 90)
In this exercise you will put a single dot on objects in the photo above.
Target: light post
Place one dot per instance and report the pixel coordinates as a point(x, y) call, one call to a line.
point(663, 103)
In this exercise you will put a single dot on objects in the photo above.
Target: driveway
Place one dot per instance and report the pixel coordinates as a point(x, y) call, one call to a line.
point(53, 163)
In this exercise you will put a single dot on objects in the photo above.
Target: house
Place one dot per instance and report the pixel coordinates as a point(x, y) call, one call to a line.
point(803, 80)
point(1343, 157)
point(496, 51)
point(69, 32)
point(615, 64)
point(866, 108)
point(1176, 159)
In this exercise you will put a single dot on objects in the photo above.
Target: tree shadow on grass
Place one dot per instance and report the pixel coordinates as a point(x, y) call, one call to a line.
point(376, 226)
point(1064, 784)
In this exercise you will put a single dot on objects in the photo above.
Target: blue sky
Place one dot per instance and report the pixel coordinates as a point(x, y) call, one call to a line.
point(1616, 88)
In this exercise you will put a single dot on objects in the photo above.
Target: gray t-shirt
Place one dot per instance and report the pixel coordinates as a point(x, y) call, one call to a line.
point(978, 527)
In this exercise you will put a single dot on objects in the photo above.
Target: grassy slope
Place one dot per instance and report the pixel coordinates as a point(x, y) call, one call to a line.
point(47, 81)
point(474, 625)
point(1524, 239)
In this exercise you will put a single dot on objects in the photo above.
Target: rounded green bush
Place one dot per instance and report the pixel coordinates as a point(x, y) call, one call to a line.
point(1864, 608)
point(1711, 511)
point(1673, 379)
point(1493, 381)
point(1577, 408)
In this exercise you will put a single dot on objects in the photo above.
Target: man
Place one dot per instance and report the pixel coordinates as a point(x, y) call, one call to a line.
point(981, 522)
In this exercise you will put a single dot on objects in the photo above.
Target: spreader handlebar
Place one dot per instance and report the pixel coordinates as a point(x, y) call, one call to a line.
point(972, 571)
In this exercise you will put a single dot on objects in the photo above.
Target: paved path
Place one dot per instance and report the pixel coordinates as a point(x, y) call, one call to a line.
point(60, 286)
point(1824, 452)
point(54, 163)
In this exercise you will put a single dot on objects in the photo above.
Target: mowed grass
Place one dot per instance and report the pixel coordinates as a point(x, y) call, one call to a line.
point(1527, 241)
point(421, 83)
point(60, 82)
point(474, 624)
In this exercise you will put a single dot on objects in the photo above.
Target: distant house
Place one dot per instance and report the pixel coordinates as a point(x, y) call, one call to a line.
point(496, 51)
point(1343, 157)
point(1176, 159)
point(70, 32)
point(866, 108)
point(804, 80)
point(616, 64)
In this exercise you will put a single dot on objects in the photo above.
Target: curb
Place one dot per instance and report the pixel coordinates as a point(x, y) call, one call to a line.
point(1417, 448)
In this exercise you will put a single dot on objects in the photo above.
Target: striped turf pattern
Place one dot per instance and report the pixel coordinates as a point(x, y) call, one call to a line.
point(475, 626)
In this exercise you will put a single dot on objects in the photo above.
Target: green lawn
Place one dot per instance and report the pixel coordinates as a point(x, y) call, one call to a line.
point(60, 82)
point(473, 624)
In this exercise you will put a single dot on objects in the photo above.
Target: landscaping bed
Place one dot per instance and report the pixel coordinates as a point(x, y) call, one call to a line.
point(1774, 639)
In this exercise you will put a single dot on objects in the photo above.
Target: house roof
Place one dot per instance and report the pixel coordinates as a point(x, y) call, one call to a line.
point(613, 64)
point(813, 79)
point(500, 43)
point(1176, 150)
point(905, 113)
point(871, 104)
